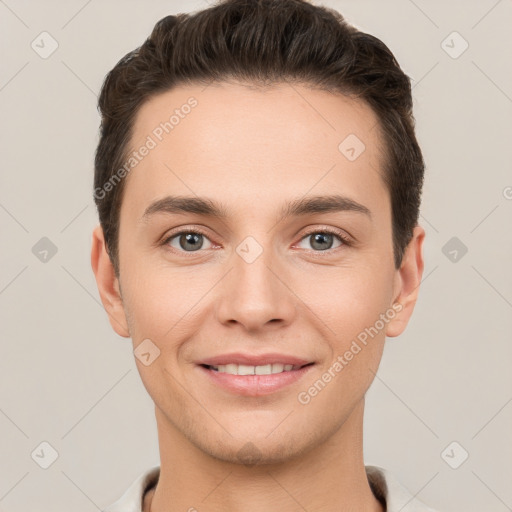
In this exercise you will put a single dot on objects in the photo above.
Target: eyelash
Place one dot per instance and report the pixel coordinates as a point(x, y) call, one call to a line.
point(331, 231)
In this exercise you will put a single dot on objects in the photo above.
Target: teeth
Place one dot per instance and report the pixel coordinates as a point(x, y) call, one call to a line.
point(263, 370)
point(243, 369)
point(277, 368)
point(231, 368)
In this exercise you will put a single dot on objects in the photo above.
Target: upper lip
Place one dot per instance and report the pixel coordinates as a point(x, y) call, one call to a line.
point(253, 359)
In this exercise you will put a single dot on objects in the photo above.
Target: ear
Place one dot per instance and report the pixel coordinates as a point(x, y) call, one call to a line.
point(407, 283)
point(108, 284)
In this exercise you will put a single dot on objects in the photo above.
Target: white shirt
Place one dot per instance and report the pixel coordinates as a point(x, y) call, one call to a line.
point(382, 482)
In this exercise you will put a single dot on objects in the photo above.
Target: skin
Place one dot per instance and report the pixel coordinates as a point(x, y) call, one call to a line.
point(254, 150)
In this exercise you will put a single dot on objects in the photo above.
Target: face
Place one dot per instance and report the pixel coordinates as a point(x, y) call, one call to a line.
point(263, 300)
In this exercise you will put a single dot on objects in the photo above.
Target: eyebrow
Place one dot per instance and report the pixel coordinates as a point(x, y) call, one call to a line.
point(297, 207)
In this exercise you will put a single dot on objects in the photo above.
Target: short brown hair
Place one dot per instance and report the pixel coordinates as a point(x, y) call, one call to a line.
point(262, 42)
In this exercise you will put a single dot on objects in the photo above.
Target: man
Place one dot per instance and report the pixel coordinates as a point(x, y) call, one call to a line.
point(258, 182)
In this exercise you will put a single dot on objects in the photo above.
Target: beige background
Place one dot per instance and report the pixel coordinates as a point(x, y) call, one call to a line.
point(66, 378)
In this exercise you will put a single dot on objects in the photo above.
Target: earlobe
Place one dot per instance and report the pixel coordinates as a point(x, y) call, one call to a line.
point(407, 283)
point(108, 284)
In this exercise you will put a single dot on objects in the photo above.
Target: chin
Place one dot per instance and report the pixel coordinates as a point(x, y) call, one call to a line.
point(252, 453)
point(255, 450)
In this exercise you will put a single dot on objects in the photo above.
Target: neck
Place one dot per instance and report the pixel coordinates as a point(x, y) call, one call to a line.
point(328, 477)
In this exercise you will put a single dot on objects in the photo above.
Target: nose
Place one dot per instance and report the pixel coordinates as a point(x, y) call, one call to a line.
point(255, 294)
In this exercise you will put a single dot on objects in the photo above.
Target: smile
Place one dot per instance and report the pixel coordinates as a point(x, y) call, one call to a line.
point(244, 369)
point(251, 375)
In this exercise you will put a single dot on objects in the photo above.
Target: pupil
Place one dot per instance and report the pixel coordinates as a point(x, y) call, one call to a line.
point(191, 238)
point(320, 238)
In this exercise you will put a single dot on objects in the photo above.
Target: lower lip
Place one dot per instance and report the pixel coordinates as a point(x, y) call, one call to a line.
point(255, 385)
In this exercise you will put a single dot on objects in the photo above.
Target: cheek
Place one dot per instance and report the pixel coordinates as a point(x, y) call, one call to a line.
point(353, 309)
point(355, 312)
point(161, 301)
point(158, 311)
point(353, 299)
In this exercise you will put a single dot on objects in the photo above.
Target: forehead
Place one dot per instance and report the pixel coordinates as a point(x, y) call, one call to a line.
point(246, 141)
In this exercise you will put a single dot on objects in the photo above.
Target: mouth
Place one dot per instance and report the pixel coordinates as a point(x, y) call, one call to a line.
point(244, 369)
point(253, 376)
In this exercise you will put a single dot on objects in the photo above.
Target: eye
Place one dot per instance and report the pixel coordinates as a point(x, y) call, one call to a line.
point(323, 240)
point(187, 241)
point(192, 240)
